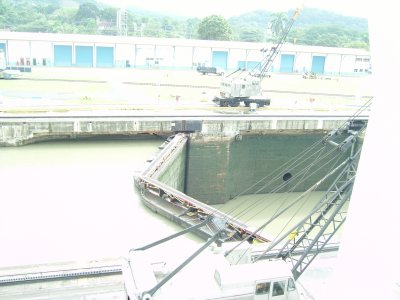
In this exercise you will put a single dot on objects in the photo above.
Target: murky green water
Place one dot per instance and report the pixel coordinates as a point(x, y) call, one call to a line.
point(64, 201)
point(256, 210)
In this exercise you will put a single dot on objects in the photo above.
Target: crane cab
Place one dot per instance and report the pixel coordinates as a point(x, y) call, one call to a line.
point(212, 276)
point(259, 281)
point(243, 87)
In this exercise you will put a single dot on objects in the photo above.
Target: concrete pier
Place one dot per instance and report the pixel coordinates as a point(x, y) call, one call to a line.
point(21, 130)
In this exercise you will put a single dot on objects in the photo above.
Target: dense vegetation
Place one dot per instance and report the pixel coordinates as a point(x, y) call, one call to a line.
point(313, 27)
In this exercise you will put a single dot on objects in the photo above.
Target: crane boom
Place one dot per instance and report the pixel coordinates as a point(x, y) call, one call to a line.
point(314, 231)
point(273, 52)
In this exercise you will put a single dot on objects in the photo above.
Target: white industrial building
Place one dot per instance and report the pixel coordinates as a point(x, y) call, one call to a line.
point(47, 49)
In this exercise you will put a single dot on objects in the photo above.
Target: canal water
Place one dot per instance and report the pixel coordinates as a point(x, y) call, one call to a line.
point(63, 201)
point(75, 200)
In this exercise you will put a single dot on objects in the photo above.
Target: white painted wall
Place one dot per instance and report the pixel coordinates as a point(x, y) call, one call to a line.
point(183, 57)
point(236, 55)
point(165, 55)
point(254, 55)
point(303, 62)
point(202, 55)
point(332, 64)
point(179, 53)
point(124, 52)
point(348, 64)
point(362, 64)
point(143, 52)
point(18, 50)
point(42, 50)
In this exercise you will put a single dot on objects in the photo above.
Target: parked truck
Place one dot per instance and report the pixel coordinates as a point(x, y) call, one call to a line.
point(210, 70)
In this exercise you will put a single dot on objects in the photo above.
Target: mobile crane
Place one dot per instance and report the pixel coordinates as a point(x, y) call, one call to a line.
point(245, 86)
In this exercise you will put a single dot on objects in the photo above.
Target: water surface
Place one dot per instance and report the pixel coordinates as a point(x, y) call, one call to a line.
point(64, 201)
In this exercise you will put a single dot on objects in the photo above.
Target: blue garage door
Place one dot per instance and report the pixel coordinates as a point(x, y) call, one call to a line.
point(84, 56)
point(241, 64)
point(104, 56)
point(249, 66)
point(220, 59)
point(287, 62)
point(62, 56)
point(318, 64)
point(3, 47)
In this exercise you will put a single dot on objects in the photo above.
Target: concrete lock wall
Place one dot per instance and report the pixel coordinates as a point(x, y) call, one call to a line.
point(25, 131)
point(22, 133)
point(207, 170)
point(220, 169)
point(173, 171)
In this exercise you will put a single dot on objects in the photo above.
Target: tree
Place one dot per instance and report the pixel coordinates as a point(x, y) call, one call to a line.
point(166, 27)
point(86, 11)
point(251, 35)
point(89, 26)
point(64, 15)
point(192, 25)
point(153, 28)
point(4, 14)
point(40, 24)
point(315, 27)
point(215, 28)
point(357, 44)
point(277, 24)
point(108, 14)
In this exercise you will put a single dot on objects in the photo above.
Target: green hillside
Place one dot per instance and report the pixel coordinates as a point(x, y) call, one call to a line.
point(313, 27)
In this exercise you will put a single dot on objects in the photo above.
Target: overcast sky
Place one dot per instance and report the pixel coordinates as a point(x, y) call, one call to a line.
point(228, 8)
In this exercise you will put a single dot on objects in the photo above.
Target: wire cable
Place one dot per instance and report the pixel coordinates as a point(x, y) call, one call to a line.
point(344, 125)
